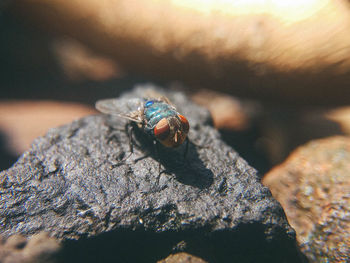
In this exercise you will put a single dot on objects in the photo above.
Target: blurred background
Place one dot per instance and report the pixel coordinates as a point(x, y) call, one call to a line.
point(273, 76)
point(46, 81)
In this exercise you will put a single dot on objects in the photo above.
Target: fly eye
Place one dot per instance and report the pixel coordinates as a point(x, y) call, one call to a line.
point(184, 122)
point(162, 129)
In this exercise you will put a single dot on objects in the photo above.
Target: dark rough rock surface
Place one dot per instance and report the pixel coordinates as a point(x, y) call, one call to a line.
point(72, 184)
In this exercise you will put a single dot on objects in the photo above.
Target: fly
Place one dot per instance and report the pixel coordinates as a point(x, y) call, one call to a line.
point(156, 116)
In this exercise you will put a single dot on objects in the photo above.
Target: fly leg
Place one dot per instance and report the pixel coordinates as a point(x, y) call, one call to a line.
point(157, 155)
point(148, 154)
point(156, 149)
point(186, 148)
point(129, 129)
point(157, 158)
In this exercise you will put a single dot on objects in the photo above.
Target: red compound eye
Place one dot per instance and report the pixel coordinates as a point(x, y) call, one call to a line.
point(184, 122)
point(162, 129)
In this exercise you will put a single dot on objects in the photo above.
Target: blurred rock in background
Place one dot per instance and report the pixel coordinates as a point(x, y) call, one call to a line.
point(39, 248)
point(281, 52)
point(275, 75)
point(47, 81)
point(74, 60)
point(79, 63)
point(313, 186)
point(182, 258)
point(23, 121)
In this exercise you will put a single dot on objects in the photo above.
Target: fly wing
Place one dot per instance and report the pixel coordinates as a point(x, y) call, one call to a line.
point(131, 109)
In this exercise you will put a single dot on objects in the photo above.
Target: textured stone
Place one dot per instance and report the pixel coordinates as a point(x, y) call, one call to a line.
point(313, 186)
point(73, 184)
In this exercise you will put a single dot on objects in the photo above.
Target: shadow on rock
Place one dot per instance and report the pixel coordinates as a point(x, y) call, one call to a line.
point(187, 166)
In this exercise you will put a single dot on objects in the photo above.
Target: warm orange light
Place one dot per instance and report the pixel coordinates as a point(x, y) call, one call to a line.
point(289, 11)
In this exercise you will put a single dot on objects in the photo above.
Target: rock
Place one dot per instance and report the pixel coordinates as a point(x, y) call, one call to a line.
point(79, 63)
point(228, 112)
point(313, 186)
point(182, 258)
point(74, 183)
point(341, 116)
point(40, 248)
point(37, 117)
point(274, 52)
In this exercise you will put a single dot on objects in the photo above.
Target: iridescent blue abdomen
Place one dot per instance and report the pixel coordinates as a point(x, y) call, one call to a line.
point(154, 111)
